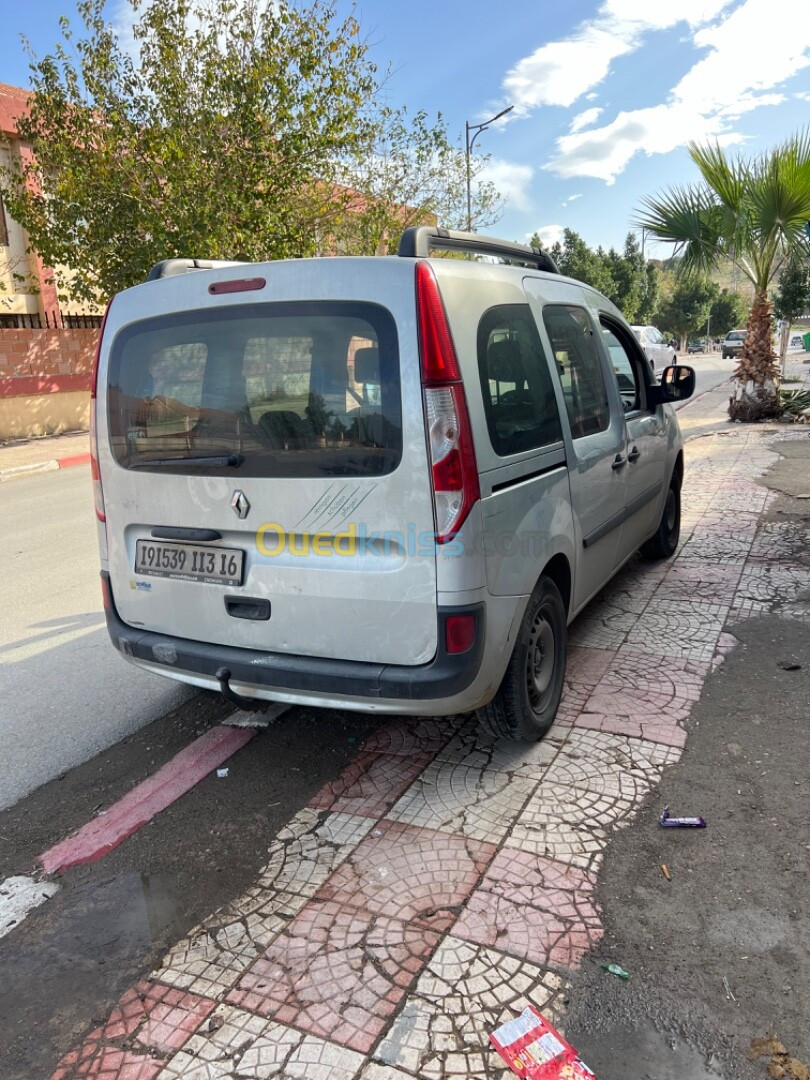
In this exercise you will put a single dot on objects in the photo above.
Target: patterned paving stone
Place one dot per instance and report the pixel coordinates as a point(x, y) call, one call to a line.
point(417, 875)
point(337, 973)
point(375, 1071)
point(595, 784)
point(584, 670)
point(590, 631)
point(764, 585)
point(533, 908)
point(567, 827)
point(716, 546)
point(414, 736)
point(742, 497)
point(106, 1063)
point(466, 991)
point(643, 700)
point(210, 960)
point(610, 764)
point(371, 784)
point(153, 1019)
point(475, 802)
point(248, 1047)
point(687, 629)
point(691, 579)
point(306, 851)
point(782, 541)
point(478, 749)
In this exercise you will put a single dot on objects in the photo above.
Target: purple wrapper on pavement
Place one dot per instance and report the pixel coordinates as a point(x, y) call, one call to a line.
point(670, 822)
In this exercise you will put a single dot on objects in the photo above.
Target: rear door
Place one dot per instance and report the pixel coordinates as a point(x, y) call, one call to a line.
point(264, 463)
point(596, 458)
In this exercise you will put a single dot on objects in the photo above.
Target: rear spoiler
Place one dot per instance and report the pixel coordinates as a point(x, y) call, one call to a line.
point(419, 241)
point(172, 267)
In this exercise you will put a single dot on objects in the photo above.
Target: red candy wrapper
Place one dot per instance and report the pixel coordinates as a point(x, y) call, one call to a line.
point(532, 1049)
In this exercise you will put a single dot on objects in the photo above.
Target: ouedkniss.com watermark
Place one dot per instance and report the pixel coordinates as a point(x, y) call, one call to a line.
point(357, 540)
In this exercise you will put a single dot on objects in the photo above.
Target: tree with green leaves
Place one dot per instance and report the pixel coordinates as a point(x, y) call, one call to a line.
point(412, 175)
point(728, 311)
point(230, 131)
point(627, 279)
point(792, 299)
point(685, 310)
point(753, 212)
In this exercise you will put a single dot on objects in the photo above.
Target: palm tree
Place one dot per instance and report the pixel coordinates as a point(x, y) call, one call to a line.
point(755, 212)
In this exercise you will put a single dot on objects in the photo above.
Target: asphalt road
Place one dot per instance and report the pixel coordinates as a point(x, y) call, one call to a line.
point(67, 694)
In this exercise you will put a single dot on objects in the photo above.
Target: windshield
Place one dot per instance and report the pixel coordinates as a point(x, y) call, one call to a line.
point(737, 335)
point(305, 389)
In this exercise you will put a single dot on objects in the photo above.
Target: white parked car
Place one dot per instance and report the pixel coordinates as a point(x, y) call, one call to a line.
point(659, 351)
point(733, 343)
point(384, 484)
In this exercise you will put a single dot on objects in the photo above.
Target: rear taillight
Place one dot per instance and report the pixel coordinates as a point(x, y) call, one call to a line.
point(106, 593)
point(459, 633)
point(452, 456)
point(98, 494)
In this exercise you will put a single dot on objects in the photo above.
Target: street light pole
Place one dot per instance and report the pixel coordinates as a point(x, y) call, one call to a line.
point(477, 128)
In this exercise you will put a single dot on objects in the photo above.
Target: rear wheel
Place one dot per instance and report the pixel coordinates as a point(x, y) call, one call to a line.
point(665, 542)
point(529, 695)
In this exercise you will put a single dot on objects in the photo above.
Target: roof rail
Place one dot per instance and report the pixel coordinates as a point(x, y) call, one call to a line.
point(172, 267)
point(419, 241)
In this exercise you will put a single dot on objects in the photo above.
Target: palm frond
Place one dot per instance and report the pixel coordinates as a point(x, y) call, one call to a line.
point(688, 218)
point(726, 177)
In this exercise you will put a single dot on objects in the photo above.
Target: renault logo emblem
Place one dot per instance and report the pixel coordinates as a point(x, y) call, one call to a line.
point(240, 504)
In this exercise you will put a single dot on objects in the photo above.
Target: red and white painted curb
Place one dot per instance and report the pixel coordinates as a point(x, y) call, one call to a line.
point(45, 466)
point(135, 809)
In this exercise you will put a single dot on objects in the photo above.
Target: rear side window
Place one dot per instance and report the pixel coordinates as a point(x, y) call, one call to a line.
point(583, 382)
point(304, 389)
point(519, 400)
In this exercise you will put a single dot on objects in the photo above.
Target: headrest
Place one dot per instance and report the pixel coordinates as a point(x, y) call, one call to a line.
point(504, 361)
point(367, 365)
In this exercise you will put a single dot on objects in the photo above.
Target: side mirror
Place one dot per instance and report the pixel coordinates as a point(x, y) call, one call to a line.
point(677, 384)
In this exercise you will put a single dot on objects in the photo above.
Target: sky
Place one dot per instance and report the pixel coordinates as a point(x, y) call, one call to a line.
point(605, 95)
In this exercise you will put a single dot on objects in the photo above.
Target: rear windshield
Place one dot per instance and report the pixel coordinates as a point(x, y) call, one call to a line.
point(304, 389)
point(737, 335)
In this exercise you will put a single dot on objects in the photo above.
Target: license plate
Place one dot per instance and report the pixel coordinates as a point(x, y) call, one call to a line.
point(188, 562)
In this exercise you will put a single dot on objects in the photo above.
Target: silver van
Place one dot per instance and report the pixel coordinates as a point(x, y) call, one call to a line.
point(384, 484)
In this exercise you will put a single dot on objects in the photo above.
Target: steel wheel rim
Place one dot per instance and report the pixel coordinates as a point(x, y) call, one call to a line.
point(540, 660)
point(671, 510)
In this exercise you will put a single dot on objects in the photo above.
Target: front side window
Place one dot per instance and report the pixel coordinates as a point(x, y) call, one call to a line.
point(305, 389)
point(518, 393)
point(583, 382)
point(624, 363)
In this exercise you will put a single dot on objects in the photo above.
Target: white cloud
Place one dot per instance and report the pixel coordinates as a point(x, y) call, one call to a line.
point(802, 95)
point(511, 180)
point(571, 198)
point(560, 72)
point(549, 234)
point(585, 119)
point(736, 76)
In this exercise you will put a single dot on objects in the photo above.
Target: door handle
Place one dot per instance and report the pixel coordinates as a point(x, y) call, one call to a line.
point(619, 462)
point(634, 454)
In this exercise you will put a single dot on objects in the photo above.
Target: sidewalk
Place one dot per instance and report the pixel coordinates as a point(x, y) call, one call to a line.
point(23, 456)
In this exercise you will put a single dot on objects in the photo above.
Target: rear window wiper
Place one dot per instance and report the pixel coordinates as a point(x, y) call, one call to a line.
point(230, 461)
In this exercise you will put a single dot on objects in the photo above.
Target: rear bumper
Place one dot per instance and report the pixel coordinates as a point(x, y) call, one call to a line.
point(447, 675)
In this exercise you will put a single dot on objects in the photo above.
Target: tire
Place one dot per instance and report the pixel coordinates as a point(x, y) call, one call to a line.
point(527, 700)
point(664, 543)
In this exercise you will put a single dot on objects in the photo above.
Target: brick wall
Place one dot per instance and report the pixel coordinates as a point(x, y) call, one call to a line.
point(34, 362)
